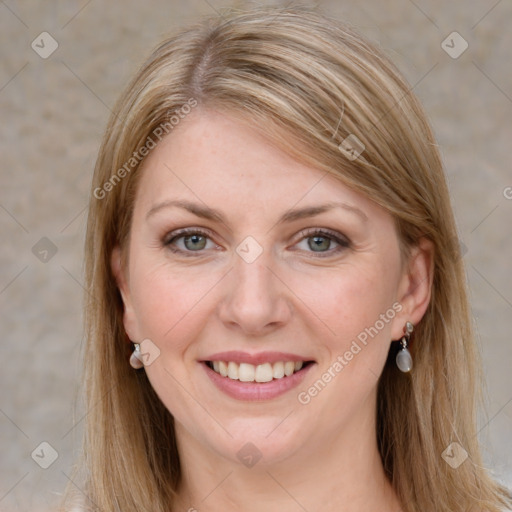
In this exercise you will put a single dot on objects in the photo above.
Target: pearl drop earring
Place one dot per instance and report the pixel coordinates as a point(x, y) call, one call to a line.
point(136, 358)
point(404, 358)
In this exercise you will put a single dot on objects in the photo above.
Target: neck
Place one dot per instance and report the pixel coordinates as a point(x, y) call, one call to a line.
point(338, 471)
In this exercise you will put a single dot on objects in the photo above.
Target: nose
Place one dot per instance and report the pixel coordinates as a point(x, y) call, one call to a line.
point(256, 300)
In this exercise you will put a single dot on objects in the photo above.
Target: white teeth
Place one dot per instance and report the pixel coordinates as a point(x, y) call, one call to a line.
point(223, 368)
point(245, 372)
point(265, 372)
point(232, 370)
point(289, 367)
point(278, 370)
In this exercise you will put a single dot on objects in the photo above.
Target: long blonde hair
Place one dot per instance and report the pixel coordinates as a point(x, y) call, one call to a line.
point(311, 85)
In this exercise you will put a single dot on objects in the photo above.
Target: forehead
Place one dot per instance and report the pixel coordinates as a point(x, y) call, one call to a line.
point(212, 157)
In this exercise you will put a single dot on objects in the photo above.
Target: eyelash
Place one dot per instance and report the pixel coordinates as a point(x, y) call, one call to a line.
point(343, 242)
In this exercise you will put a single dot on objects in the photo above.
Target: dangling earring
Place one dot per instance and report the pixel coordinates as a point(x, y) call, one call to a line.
point(404, 358)
point(136, 358)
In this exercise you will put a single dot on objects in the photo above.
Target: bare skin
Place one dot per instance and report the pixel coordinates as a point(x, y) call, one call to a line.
point(302, 295)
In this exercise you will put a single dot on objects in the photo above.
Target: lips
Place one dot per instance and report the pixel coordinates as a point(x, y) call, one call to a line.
point(256, 376)
point(256, 359)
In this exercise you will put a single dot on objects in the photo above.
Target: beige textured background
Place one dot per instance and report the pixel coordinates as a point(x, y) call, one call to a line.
point(53, 112)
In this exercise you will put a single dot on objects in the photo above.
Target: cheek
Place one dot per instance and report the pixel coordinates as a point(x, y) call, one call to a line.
point(348, 300)
point(168, 302)
point(357, 306)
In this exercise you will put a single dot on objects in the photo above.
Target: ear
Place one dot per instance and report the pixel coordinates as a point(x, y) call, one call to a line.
point(129, 319)
point(415, 287)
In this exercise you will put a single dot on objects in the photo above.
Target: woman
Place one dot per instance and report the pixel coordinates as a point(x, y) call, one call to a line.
point(276, 311)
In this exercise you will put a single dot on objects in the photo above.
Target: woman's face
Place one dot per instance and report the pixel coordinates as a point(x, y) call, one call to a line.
point(279, 263)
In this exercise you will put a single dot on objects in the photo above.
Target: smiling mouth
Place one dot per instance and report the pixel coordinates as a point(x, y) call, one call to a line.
point(266, 372)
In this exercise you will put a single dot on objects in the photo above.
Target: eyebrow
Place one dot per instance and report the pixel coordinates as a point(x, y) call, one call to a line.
point(206, 212)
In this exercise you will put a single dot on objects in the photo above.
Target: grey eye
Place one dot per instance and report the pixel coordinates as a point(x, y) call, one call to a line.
point(319, 242)
point(194, 242)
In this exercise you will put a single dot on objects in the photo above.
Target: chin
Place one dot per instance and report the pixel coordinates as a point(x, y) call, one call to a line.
point(265, 441)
